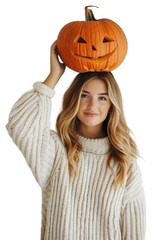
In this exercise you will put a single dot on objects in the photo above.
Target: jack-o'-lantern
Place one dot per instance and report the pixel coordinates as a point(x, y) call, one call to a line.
point(92, 45)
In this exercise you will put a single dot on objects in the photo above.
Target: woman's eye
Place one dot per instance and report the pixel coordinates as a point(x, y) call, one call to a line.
point(103, 98)
point(84, 96)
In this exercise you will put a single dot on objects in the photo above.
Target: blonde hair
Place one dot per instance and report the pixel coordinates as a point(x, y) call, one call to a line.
point(123, 147)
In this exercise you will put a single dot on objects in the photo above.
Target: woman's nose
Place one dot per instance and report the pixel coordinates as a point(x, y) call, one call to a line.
point(92, 102)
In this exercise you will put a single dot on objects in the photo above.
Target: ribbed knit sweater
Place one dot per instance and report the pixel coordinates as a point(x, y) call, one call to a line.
point(85, 208)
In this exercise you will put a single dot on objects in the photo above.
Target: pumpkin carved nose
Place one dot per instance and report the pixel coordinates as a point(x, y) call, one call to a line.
point(93, 48)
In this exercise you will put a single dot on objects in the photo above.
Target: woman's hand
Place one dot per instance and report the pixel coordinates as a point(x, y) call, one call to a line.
point(56, 67)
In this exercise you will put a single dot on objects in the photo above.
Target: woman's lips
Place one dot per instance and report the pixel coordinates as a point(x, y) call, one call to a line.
point(90, 114)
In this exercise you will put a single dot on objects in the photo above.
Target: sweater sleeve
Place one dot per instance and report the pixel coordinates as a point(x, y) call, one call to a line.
point(29, 128)
point(133, 211)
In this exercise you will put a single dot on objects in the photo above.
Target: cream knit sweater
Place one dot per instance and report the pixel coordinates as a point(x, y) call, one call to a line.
point(86, 208)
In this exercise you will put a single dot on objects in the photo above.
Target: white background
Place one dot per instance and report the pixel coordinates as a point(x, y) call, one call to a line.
point(28, 28)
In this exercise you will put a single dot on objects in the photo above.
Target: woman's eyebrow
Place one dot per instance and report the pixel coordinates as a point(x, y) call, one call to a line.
point(98, 93)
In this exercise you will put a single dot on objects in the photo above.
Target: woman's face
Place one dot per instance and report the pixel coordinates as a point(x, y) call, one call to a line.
point(94, 104)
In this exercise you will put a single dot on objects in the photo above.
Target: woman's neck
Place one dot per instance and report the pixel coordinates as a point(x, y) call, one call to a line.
point(91, 131)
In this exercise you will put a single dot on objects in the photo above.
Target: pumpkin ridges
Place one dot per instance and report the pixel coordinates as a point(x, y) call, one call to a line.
point(62, 40)
point(97, 44)
point(117, 56)
point(65, 55)
point(105, 30)
point(108, 63)
point(100, 45)
point(93, 41)
point(122, 52)
point(109, 46)
point(111, 30)
point(80, 48)
point(86, 30)
point(99, 37)
point(71, 36)
point(81, 63)
point(122, 38)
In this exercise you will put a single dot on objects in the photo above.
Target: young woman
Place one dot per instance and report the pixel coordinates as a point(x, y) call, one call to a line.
point(88, 172)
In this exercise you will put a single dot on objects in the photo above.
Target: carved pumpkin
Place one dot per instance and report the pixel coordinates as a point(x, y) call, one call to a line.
point(92, 45)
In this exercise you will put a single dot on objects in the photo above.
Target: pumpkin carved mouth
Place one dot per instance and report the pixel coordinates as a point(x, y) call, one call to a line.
point(91, 59)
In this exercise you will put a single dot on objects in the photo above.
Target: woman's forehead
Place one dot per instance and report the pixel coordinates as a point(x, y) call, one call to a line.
point(95, 83)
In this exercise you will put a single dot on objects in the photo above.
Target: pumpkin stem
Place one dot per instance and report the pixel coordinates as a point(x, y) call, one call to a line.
point(89, 16)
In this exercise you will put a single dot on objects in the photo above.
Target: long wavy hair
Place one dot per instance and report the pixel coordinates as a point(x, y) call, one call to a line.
point(123, 147)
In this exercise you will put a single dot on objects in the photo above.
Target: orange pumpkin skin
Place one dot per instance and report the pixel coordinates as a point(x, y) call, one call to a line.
point(92, 45)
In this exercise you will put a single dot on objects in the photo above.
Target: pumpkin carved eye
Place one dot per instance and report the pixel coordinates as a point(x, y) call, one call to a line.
point(80, 40)
point(106, 39)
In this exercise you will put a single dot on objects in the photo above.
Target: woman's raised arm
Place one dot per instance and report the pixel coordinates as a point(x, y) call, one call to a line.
point(56, 67)
point(29, 124)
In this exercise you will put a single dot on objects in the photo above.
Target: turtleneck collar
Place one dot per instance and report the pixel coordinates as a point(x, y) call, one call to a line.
point(97, 146)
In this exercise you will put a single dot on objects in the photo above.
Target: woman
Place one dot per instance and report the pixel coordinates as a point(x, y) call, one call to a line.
point(87, 170)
